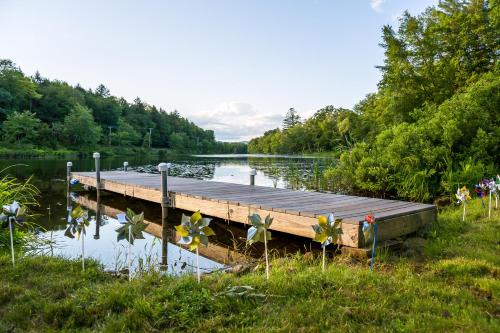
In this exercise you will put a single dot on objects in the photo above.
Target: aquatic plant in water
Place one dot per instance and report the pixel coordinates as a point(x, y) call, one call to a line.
point(194, 230)
point(132, 227)
point(259, 232)
point(78, 220)
point(327, 231)
point(13, 213)
point(462, 196)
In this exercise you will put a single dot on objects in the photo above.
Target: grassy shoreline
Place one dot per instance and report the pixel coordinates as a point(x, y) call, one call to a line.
point(449, 284)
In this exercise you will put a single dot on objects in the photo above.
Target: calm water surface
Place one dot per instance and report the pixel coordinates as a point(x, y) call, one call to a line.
point(227, 247)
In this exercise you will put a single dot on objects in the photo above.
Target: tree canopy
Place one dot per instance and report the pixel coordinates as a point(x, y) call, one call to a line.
point(292, 118)
point(51, 113)
point(434, 116)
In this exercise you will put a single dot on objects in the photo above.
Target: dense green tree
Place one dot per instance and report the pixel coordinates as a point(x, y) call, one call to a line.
point(178, 141)
point(17, 92)
point(57, 100)
point(21, 127)
point(125, 135)
point(105, 109)
point(80, 129)
point(436, 109)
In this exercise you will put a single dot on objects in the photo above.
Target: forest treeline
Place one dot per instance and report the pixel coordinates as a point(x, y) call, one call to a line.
point(433, 123)
point(43, 113)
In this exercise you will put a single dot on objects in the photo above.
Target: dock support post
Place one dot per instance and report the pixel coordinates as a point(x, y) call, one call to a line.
point(68, 185)
point(125, 166)
point(253, 173)
point(97, 158)
point(163, 168)
point(97, 234)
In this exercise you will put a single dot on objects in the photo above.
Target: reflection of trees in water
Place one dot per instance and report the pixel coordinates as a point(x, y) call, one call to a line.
point(297, 173)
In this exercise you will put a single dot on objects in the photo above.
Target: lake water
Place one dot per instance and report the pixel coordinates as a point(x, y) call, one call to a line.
point(226, 248)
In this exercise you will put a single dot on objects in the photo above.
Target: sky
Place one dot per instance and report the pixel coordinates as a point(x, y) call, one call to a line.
point(235, 67)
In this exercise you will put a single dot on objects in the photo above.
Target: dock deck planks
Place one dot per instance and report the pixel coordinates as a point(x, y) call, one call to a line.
point(294, 212)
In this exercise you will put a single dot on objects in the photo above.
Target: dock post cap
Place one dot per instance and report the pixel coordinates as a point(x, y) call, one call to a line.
point(253, 172)
point(169, 165)
point(162, 167)
point(96, 155)
point(125, 163)
point(69, 164)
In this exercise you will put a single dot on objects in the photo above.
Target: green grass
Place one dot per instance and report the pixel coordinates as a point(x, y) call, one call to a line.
point(453, 285)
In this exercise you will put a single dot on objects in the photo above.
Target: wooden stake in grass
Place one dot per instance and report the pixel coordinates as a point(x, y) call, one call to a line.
point(259, 232)
point(77, 223)
point(132, 226)
point(462, 196)
point(327, 231)
point(13, 213)
point(194, 230)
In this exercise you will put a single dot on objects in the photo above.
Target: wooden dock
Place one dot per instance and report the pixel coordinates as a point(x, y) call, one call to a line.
point(294, 212)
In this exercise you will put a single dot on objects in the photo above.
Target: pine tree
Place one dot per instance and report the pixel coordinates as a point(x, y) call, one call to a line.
point(292, 118)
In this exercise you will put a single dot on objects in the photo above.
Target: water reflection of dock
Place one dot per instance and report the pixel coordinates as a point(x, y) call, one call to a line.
point(294, 212)
point(217, 252)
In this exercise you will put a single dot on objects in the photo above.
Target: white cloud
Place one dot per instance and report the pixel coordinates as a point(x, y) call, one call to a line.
point(376, 5)
point(233, 121)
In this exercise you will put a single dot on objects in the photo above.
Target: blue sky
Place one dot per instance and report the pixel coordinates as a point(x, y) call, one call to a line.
point(231, 66)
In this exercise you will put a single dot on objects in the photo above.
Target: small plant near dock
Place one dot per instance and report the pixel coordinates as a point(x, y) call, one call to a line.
point(132, 227)
point(78, 221)
point(259, 232)
point(327, 231)
point(13, 214)
point(194, 230)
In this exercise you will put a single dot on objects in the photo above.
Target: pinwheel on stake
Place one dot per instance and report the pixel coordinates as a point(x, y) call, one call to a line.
point(132, 227)
point(480, 190)
point(13, 213)
point(327, 231)
point(259, 232)
point(194, 230)
point(462, 196)
point(497, 190)
point(491, 186)
point(78, 220)
point(370, 232)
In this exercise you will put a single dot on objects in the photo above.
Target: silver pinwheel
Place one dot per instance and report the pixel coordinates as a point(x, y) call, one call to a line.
point(259, 232)
point(78, 221)
point(132, 226)
point(193, 231)
point(13, 214)
point(327, 231)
